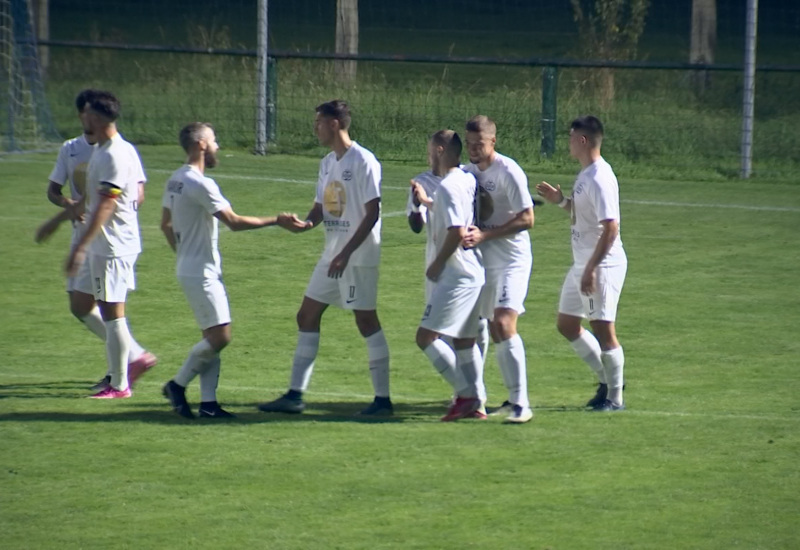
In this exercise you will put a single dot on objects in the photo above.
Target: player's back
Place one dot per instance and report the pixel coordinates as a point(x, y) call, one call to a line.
point(193, 199)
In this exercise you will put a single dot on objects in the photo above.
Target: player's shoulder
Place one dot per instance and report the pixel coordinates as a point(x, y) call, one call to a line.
point(508, 165)
point(362, 153)
point(428, 179)
point(601, 172)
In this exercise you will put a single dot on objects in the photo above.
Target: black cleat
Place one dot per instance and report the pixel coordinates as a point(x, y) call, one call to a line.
point(381, 406)
point(176, 394)
point(599, 398)
point(214, 411)
point(610, 406)
point(283, 404)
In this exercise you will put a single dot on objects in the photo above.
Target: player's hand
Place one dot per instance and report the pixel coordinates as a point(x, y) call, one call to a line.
point(473, 237)
point(420, 197)
point(292, 223)
point(550, 193)
point(74, 261)
point(588, 281)
point(434, 271)
point(338, 264)
point(46, 230)
point(75, 211)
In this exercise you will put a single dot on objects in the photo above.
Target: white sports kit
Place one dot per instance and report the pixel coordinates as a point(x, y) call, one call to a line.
point(508, 260)
point(71, 165)
point(452, 308)
point(595, 198)
point(343, 189)
point(114, 170)
point(192, 200)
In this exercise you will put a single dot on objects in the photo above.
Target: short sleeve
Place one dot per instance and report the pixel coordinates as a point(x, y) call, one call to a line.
point(452, 209)
point(606, 197)
point(519, 197)
point(60, 173)
point(371, 181)
point(138, 169)
point(210, 197)
point(321, 181)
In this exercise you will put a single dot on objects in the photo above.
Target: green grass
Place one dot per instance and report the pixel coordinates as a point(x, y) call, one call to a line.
point(705, 457)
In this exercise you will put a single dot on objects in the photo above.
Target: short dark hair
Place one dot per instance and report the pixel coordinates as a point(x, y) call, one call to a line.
point(336, 109)
point(83, 98)
point(482, 124)
point(192, 133)
point(450, 141)
point(590, 126)
point(105, 104)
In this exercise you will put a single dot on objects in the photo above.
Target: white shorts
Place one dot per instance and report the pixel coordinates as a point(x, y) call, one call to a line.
point(602, 304)
point(357, 288)
point(505, 288)
point(107, 279)
point(453, 311)
point(208, 300)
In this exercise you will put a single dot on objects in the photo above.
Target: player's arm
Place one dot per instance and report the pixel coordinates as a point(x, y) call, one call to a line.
point(522, 221)
point(166, 228)
point(291, 222)
point(371, 215)
point(107, 203)
point(140, 197)
point(418, 198)
point(235, 222)
point(451, 243)
point(601, 249)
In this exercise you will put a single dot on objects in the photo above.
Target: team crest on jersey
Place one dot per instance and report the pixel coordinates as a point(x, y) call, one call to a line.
point(489, 185)
point(347, 175)
point(335, 199)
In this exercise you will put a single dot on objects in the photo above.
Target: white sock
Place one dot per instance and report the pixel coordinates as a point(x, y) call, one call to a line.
point(483, 338)
point(209, 380)
point(613, 363)
point(94, 322)
point(195, 363)
point(378, 353)
point(511, 358)
point(303, 363)
point(117, 347)
point(588, 348)
point(443, 359)
point(468, 362)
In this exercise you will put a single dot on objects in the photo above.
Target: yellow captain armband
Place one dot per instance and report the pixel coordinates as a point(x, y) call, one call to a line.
point(109, 190)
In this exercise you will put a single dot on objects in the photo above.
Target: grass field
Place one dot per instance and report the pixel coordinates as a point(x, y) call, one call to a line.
point(705, 457)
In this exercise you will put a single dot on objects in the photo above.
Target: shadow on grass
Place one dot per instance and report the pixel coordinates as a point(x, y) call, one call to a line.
point(246, 413)
point(39, 390)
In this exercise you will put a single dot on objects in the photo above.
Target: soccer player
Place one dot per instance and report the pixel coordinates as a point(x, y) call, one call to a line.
point(103, 258)
point(505, 213)
point(594, 282)
point(191, 206)
point(457, 276)
point(348, 204)
point(71, 164)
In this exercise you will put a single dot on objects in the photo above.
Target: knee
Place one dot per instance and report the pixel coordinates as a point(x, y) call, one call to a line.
point(503, 327)
point(568, 329)
point(367, 323)
point(424, 338)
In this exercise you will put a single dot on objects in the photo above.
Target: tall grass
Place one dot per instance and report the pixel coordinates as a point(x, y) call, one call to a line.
point(656, 125)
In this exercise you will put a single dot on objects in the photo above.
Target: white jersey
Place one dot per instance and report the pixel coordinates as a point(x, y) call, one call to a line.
point(115, 170)
point(454, 207)
point(71, 165)
point(430, 183)
point(595, 197)
point(503, 194)
point(192, 200)
point(343, 189)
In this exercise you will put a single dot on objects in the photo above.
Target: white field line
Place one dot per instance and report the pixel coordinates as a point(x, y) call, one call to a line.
point(223, 176)
point(268, 393)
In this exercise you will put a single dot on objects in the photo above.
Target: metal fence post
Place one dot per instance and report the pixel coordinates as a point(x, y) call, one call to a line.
point(261, 80)
point(748, 103)
point(549, 93)
point(272, 99)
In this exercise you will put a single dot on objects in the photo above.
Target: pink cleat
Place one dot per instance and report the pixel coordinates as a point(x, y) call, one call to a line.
point(111, 393)
point(464, 407)
point(138, 367)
